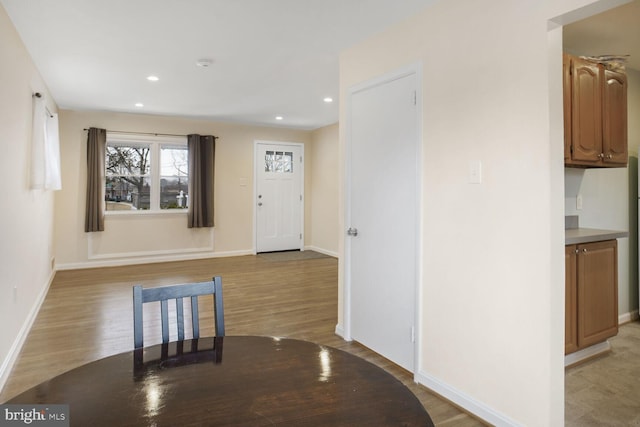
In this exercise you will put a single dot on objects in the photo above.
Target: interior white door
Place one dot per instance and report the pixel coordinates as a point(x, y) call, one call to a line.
point(383, 206)
point(279, 195)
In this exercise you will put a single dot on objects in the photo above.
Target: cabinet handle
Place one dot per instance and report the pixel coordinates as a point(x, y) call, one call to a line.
point(601, 155)
point(584, 250)
point(609, 156)
point(577, 251)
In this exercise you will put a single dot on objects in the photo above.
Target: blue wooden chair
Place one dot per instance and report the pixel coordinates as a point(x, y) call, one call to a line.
point(178, 292)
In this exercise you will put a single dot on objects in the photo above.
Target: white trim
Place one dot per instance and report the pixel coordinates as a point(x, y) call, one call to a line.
point(468, 403)
point(339, 330)
point(412, 69)
point(155, 143)
point(151, 260)
point(420, 213)
point(91, 255)
point(586, 353)
point(16, 347)
point(628, 317)
point(145, 212)
point(320, 250)
point(151, 254)
point(299, 145)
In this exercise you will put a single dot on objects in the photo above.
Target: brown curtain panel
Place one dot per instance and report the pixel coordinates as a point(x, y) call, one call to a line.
point(202, 151)
point(96, 149)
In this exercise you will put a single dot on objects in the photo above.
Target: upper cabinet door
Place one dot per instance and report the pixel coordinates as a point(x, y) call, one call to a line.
point(586, 117)
point(566, 85)
point(614, 137)
point(595, 114)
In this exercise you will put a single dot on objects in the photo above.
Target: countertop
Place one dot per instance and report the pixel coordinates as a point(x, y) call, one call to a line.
point(573, 236)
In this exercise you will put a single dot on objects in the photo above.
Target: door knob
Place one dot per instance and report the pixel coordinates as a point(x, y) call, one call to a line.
point(260, 204)
point(352, 231)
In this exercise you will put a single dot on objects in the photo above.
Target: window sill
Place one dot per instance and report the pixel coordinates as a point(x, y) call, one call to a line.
point(130, 213)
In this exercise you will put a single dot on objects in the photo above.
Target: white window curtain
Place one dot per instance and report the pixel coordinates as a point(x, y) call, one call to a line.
point(45, 148)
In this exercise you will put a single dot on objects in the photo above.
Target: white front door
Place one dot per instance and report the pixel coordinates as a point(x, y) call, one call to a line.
point(382, 214)
point(279, 196)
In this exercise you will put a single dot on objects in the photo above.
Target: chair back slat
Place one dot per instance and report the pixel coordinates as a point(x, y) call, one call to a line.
point(180, 318)
point(218, 304)
point(164, 312)
point(195, 319)
point(177, 292)
point(137, 316)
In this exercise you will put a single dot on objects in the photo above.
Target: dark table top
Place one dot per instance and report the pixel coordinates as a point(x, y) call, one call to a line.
point(231, 381)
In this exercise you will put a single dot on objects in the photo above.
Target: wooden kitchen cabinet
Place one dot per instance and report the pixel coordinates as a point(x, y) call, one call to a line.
point(571, 299)
point(614, 113)
point(591, 306)
point(595, 114)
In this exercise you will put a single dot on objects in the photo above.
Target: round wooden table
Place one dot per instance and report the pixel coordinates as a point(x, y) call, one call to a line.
point(231, 381)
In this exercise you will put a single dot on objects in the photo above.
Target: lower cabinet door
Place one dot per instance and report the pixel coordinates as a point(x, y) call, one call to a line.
point(570, 299)
point(597, 292)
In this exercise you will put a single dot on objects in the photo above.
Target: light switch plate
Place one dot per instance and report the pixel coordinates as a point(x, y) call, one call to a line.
point(475, 172)
point(579, 202)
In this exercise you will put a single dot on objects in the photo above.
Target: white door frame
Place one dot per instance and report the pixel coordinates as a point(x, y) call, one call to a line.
point(256, 163)
point(346, 329)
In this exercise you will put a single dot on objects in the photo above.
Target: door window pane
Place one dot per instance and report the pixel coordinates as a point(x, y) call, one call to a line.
point(279, 161)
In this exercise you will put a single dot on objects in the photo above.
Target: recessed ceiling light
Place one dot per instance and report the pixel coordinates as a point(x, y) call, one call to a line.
point(204, 62)
point(139, 104)
point(153, 78)
point(279, 117)
point(328, 100)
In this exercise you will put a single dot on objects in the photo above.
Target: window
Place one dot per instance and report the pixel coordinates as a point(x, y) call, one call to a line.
point(146, 173)
point(278, 161)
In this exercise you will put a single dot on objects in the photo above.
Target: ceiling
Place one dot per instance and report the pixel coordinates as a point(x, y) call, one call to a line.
point(269, 58)
point(616, 32)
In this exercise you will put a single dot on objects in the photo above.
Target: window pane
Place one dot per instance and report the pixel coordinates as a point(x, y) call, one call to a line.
point(127, 193)
point(287, 162)
point(128, 160)
point(174, 177)
point(269, 163)
point(278, 161)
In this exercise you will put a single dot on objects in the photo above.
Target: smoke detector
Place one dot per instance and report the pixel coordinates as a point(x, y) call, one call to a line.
point(204, 62)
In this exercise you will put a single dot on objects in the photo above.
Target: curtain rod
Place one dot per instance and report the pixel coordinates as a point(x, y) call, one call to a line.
point(146, 133)
point(39, 95)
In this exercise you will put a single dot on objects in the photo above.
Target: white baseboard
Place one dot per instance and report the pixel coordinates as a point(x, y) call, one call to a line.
point(339, 330)
point(150, 259)
point(586, 353)
point(14, 351)
point(628, 317)
point(322, 251)
point(464, 401)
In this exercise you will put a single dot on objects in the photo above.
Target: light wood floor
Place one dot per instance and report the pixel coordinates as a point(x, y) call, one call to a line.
point(87, 315)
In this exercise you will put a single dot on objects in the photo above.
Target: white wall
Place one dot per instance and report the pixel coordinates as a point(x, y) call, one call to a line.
point(26, 216)
point(40, 228)
point(233, 216)
point(493, 276)
point(324, 195)
point(609, 201)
